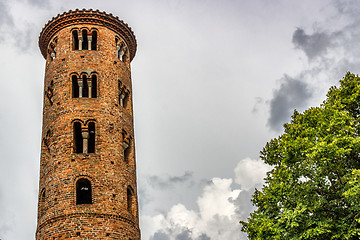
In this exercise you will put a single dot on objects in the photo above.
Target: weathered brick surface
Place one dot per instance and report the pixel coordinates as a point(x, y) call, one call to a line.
point(59, 217)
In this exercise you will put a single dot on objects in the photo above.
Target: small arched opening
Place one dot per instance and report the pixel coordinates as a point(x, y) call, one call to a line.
point(83, 191)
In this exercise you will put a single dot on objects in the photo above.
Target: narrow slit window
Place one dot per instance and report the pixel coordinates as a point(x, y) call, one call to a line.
point(127, 150)
point(94, 86)
point(130, 200)
point(126, 100)
point(43, 195)
point(42, 200)
point(94, 40)
point(84, 40)
point(75, 42)
point(78, 140)
point(122, 97)
point(117, 44)
point(75, 87)
point(91, 142)
point(83, 191)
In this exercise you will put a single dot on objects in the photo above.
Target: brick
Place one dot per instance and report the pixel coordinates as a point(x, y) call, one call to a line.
point(108, 217)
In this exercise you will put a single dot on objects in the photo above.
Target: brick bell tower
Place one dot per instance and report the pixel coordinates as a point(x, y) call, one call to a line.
point(87, 186)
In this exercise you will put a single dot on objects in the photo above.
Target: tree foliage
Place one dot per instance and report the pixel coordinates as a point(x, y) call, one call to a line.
point(313, 190)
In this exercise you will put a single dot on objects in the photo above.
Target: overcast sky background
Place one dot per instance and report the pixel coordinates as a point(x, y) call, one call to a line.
point(213, 81)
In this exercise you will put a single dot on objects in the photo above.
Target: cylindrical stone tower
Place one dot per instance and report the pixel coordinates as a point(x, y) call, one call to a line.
point(87, 186)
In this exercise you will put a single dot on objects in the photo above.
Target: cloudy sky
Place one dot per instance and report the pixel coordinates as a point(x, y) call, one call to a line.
point(213, 81)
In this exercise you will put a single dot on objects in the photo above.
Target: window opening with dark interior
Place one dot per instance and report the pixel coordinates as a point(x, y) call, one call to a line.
point(93, 86)
point(91, 142)
point(130, 196)
point(83, 191)
point(42, 200)
point(94, 40)
point(78, 140)
point(43, 194)
point(85, 88)
point(75, 43)
point(84, 40)
point(127, 149)
point(75, 86)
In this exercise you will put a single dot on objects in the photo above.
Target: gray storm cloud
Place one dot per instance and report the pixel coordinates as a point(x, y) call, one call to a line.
point(166, 182)
point(5, 17)
point(315, 44)
point(160, 235)
point(291, 94)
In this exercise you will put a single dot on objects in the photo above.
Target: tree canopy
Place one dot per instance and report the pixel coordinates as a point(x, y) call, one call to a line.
point(313, 190)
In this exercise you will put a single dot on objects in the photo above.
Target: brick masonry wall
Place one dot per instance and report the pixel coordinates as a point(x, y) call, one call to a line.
point(59, 217)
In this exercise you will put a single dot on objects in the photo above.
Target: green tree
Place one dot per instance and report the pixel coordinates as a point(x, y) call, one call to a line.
point(313, 190)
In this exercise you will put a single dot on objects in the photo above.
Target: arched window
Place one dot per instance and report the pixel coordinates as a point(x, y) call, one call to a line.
point(126, 146)
point(83, 191)
point(130, 200)
point(91, 141)
point(121, 49)
point(84, 40)
point(75, 42)
point(84, 87)
point(75, 86)
point(84, 138)
point(94, 40)
point(78, 140)
point(123, 95)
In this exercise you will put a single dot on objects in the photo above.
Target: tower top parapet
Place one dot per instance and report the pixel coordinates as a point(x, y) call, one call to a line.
point(87, 17)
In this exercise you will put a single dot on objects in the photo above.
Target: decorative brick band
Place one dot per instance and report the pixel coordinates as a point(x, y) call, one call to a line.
point(76, 215)
point(87, 17)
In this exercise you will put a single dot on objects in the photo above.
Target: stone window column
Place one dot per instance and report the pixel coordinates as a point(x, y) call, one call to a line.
point(118, 51)
point(85, 136)
point(125, 145)
point(89, 42)
point(80, 83)
point(122, 97)
point(122, 53)
point(89, 83)
point(80, 42)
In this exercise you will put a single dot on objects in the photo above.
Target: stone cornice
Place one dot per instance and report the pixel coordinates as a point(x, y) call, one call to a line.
point(87, 17)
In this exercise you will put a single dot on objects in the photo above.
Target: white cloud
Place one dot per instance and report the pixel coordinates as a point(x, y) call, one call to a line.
point(216, 218)
point(249, 173)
